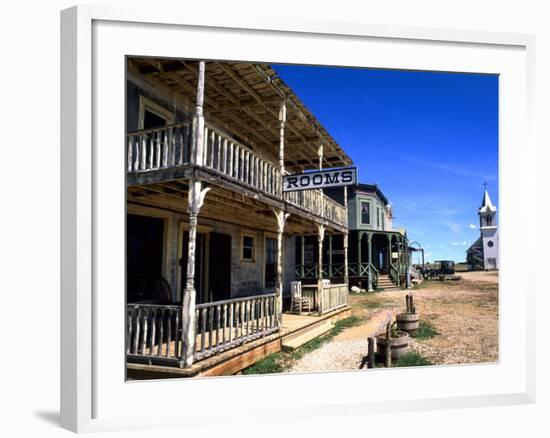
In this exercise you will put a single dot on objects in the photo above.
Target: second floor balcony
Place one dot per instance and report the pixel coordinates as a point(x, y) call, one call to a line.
point(164, 154)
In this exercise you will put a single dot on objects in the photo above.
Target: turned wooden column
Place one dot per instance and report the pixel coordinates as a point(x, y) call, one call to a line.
point(281, 218)
point(302, 251)
point(346, 242)
point(330, 256)
point(320, 238)
point(195, 202)
point(282, 121)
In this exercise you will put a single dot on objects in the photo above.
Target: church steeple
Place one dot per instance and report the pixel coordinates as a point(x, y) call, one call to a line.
point(487, 211)
point(484, 252)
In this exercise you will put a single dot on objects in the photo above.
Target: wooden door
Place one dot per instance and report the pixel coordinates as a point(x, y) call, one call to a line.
point(219, 270)
point(144, 247)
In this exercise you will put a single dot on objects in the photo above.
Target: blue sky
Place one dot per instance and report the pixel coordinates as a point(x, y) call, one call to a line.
point(428, 139)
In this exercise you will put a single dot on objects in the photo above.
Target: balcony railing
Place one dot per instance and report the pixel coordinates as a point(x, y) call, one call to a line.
point(170, 147)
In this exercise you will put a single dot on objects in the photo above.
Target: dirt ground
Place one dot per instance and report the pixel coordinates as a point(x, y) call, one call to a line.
point(463, 312)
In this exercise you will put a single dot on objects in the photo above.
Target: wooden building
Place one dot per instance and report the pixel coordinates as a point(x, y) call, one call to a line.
point(378, 256)
point(210, 233)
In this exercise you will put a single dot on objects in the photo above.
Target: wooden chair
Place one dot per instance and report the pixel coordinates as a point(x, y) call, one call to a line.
point(298, 302)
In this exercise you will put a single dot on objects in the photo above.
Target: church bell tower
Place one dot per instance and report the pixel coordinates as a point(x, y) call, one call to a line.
point(489, 232)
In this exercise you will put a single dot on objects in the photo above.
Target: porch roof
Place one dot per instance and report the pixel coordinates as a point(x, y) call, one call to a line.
point(244, 99)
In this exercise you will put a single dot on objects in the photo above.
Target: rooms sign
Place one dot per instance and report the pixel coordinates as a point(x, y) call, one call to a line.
point(320, 179)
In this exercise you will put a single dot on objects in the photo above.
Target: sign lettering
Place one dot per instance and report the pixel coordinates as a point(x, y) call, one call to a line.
point(320, 179)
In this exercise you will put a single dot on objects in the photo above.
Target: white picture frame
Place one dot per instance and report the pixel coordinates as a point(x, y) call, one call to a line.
point(93, 396)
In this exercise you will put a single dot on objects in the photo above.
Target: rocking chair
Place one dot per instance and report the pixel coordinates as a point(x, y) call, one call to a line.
point(298, 302)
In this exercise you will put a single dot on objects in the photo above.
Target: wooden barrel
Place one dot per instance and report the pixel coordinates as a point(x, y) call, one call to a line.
point(408, 322)
point(399, 345)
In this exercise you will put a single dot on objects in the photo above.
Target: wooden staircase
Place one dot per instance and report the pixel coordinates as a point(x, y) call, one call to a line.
point(385, 283)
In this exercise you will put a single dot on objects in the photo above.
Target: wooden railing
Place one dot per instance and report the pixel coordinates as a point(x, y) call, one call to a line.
point(236, 161)
point(226, 324)
point(318, 203)
point(336, 270)
point(170, 147)
point(161, 148)
point(153, 332)
point(333, 296)
point(394, 274)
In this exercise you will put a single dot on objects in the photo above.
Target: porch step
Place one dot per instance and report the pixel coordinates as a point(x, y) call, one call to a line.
point(305, 335)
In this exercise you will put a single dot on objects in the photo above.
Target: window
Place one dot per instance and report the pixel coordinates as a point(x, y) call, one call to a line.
point(152, 115)
point(377, 217)
point(270, 268)
point(490, 244)
point(365, 213)
point(248, 247)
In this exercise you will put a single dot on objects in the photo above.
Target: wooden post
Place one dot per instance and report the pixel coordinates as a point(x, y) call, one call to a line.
point(281, 217)
point(330, 256)
point(369, 241)
point(195, 202)
point(282, 120)
point(359, 238)
point(346, 242)
point(303, 242)
point(370, 354)
point(320, 238)
point(388, 345)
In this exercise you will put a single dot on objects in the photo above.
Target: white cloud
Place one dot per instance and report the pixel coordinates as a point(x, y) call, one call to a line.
point(473, 227)
point(463, 243)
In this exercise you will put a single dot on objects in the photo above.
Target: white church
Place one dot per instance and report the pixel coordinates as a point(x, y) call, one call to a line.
point(483, 254)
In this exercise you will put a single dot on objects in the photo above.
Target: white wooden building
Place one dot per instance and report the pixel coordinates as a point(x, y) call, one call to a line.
point(210, 233)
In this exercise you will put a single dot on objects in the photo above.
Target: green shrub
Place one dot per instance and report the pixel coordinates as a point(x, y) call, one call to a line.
point(411, 359)
point(425, 331)
point(267, 365)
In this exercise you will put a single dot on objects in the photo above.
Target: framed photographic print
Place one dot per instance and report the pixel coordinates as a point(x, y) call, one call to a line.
point(257, 210)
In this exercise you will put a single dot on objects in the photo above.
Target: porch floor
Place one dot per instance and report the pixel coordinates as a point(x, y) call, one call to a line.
point(235, 359)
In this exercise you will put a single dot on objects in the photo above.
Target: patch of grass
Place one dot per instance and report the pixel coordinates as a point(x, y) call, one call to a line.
point(277, 362)
point(372, 305)
point(268, 365)
point(411, 359)
point(425, 284)
point(425, 331)
point(316, 343)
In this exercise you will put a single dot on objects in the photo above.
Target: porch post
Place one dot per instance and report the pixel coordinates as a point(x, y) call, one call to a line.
point(330, 256)
point(281, 217)
point(401, 258)
point(302, 251)
point(359, 237)
point(282, 120)
point(407, 264)
point(195, 201)
point(320, 237)
point(369, 239)
point(346, 236)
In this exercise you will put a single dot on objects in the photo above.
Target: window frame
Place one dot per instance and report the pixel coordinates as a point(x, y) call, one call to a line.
point(254, 245)
point(361, 202)
point(146, 104)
